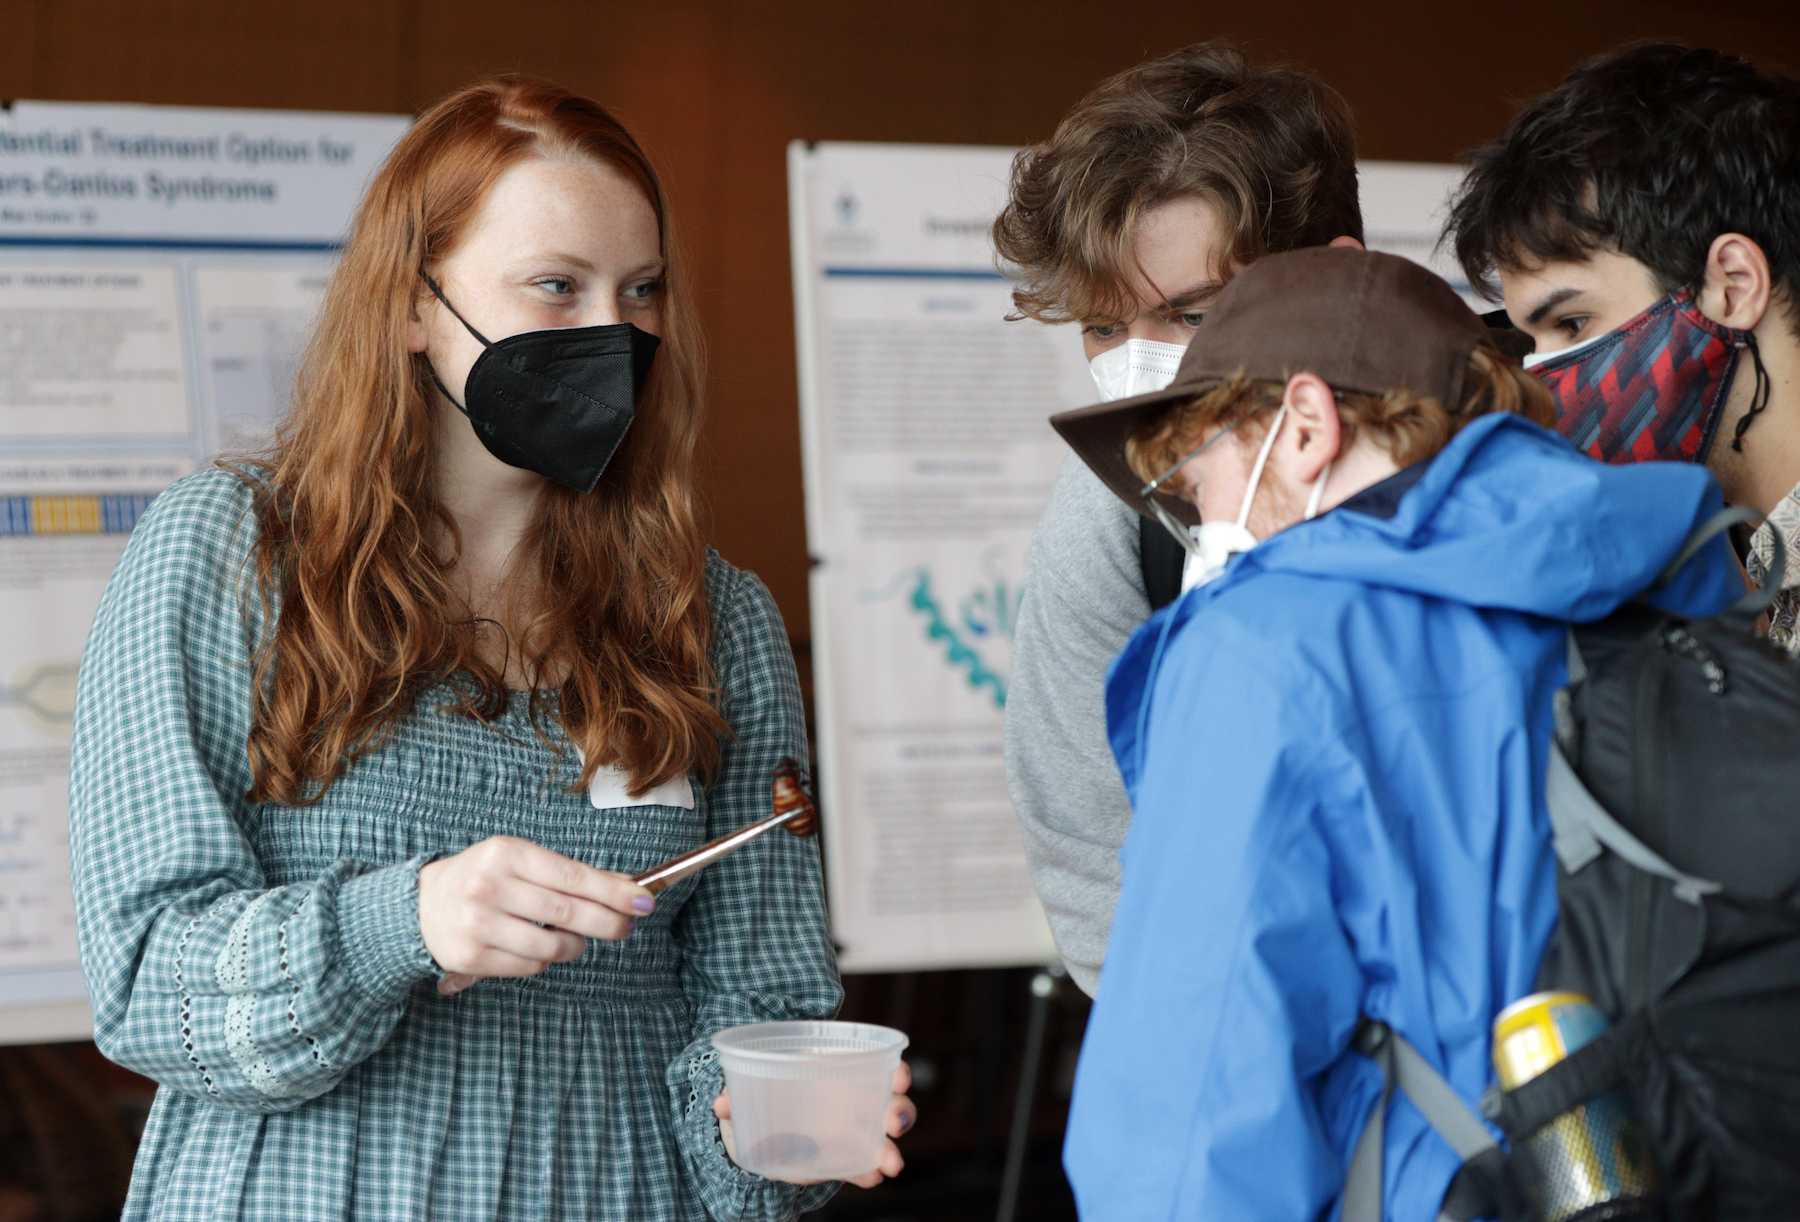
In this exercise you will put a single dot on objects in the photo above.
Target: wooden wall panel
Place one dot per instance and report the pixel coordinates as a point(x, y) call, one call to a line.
point(335, 55)
point(716, 89)
point(18, 48)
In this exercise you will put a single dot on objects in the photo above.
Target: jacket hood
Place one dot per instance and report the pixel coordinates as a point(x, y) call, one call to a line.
point(1508, 517)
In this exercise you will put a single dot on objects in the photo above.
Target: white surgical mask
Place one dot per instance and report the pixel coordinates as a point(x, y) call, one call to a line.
point(1217, 542)
point(1534, 359)
point(1135, 367)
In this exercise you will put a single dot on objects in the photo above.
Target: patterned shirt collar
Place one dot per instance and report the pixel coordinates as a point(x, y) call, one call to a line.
point(1784, 616)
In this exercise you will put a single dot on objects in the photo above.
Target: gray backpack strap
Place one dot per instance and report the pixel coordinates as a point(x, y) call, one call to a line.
point(1444, 1110)
point(1756, 601)
point(1705, 533)
point(1577, 665)
point(1580, 827)
point(1362, 1183)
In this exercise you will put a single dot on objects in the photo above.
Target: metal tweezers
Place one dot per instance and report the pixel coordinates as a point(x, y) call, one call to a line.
point(794, 811)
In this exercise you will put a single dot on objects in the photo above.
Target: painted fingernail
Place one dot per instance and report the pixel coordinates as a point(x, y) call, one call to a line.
point(643, 903)
point(906, 1123)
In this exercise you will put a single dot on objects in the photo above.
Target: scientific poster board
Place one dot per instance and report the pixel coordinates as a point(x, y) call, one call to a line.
point(159, 270)
point(928, 460)
point(1404, 206)
point(927, 464)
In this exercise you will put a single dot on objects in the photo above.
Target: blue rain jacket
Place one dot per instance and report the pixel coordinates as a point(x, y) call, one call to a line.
point(1335, 755)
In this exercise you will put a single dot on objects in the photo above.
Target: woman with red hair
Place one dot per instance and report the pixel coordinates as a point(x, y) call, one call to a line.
point(412, 698)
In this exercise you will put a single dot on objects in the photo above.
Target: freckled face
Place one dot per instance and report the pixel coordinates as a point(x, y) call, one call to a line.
point(557, 243)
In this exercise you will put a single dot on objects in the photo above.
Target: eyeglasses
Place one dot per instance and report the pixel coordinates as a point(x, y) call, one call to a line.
point(1177, 529)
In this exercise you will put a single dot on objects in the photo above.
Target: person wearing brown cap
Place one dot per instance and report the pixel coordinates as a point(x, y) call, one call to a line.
point(1155, 188)
point(1335, 745)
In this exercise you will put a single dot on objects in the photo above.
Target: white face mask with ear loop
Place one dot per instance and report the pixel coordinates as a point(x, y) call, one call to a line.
point(1135, 367)
point(1217, 542)
point(1532, 360)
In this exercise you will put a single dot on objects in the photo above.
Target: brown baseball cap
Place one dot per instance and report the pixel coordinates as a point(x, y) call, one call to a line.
point(1360, 320)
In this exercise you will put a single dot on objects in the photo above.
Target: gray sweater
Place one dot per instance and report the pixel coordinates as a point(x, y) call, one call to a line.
point(1084, 598)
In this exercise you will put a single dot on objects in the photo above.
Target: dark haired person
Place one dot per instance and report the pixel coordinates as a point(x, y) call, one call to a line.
point(1643, 219)
point(1156, 189)
point(1335, 747)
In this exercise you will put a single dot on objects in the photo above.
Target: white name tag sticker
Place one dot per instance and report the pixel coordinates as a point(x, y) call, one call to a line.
point(608, 791)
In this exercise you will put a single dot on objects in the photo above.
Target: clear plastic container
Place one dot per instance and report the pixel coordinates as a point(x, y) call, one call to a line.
point(809, 1099)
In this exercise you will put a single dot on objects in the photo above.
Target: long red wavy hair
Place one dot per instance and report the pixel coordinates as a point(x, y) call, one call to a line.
point(349, 558)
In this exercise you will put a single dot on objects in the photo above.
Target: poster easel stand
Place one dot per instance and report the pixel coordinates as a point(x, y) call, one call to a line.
point(1043, 988)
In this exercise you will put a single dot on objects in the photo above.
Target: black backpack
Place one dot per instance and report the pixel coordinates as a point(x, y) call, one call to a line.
point(1674, 799)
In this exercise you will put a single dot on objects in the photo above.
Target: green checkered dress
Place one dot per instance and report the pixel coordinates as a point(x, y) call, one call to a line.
point(264, 963)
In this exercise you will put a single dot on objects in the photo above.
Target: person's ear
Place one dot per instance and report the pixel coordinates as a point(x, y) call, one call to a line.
point(1736, 286)
point(1314, 432)
point(1345, 242)
point(420, 309)
point(415, 327)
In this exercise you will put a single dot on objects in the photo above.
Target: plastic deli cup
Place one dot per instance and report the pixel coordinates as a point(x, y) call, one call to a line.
point(809, 1099)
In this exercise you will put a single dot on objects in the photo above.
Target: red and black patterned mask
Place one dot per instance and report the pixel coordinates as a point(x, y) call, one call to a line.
point(1654, 388)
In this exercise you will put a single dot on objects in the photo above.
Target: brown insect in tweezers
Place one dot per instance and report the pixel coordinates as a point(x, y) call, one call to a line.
point(794, 811)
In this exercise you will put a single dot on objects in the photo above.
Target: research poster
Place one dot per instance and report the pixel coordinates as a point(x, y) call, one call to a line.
point(928, 460)
point(159, 270)
point(1405, 205)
